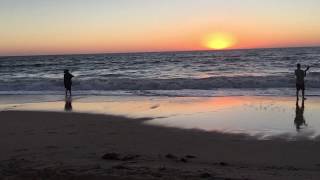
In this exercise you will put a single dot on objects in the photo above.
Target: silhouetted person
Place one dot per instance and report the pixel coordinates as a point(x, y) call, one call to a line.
point(67, 81)
point(300, 75)
point(68, 105)
point(299, 119)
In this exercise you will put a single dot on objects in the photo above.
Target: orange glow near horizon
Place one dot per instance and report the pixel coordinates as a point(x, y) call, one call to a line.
point(72, 27)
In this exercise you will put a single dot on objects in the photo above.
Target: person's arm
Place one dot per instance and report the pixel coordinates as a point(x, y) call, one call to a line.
point(307, 68)
point(70, 75)
point(305, 71)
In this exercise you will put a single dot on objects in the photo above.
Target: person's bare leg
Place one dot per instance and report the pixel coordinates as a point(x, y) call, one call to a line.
point(297, 94)
point(66, 92)
point(303, 95)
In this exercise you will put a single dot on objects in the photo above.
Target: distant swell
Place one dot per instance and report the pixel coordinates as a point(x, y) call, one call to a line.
point(158, 84)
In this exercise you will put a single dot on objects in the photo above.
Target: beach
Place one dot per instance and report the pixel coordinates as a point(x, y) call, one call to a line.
point(170, 89)
point(51, 144)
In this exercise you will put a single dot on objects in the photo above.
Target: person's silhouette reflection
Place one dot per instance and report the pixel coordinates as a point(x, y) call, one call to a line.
point(68, 104)
point(299, 120)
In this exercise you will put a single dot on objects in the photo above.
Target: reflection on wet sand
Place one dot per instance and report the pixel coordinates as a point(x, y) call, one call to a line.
point(299, 120)
point(68, 104)
point(257, 116)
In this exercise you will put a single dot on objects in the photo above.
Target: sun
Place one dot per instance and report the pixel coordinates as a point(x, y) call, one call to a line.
point(219, 41)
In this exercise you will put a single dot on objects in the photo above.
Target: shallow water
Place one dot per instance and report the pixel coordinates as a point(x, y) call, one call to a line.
point(261, 117)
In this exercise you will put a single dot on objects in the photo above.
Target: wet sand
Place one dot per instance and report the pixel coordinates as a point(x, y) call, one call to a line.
point(53, 145)
point(263, 117)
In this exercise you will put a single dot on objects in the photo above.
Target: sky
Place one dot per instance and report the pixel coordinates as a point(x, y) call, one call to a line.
point(32, 27)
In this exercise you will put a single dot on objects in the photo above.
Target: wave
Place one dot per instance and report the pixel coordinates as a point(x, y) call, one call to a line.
point(121, 83)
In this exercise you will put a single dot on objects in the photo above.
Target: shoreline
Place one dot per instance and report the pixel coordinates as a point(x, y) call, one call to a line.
point(70, 145)
point(263, 117)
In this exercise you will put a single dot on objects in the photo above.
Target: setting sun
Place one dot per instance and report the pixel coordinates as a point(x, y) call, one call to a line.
point(219, 41)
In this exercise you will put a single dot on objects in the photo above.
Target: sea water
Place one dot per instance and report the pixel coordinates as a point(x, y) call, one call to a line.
point(181, 88)
point(199, 73)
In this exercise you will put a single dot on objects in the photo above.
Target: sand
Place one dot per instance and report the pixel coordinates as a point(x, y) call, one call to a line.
point(53, 145)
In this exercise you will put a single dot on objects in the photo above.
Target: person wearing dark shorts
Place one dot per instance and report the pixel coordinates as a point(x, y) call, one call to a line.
point(300, 87)
point(67, 81)
point(300, 75)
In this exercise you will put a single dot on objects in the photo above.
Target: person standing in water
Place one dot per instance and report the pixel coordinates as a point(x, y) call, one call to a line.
point(300, 75)
point(67, 81)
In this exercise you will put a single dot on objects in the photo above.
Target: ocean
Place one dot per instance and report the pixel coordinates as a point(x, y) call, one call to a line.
point(199, 73)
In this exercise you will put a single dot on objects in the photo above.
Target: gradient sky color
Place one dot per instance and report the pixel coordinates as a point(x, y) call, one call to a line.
point(98, 26)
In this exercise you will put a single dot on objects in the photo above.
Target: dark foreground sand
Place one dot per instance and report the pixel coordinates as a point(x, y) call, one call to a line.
point(47, 145)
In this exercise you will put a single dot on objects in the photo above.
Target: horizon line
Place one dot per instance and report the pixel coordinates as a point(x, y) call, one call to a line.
point(164, 51)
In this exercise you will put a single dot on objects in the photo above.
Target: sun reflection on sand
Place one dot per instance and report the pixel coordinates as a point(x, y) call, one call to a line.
point(257, 116)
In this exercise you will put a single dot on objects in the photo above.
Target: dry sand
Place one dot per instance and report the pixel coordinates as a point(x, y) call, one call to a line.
point(49, 145)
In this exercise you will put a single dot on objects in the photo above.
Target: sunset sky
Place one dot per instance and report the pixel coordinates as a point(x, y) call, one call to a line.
point(97, 26)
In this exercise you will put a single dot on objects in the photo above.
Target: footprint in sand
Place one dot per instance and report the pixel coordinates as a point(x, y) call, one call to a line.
point(155, 106)
point(72, 133)
point(52, 132)
point(21, 150)
point(52, 147)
